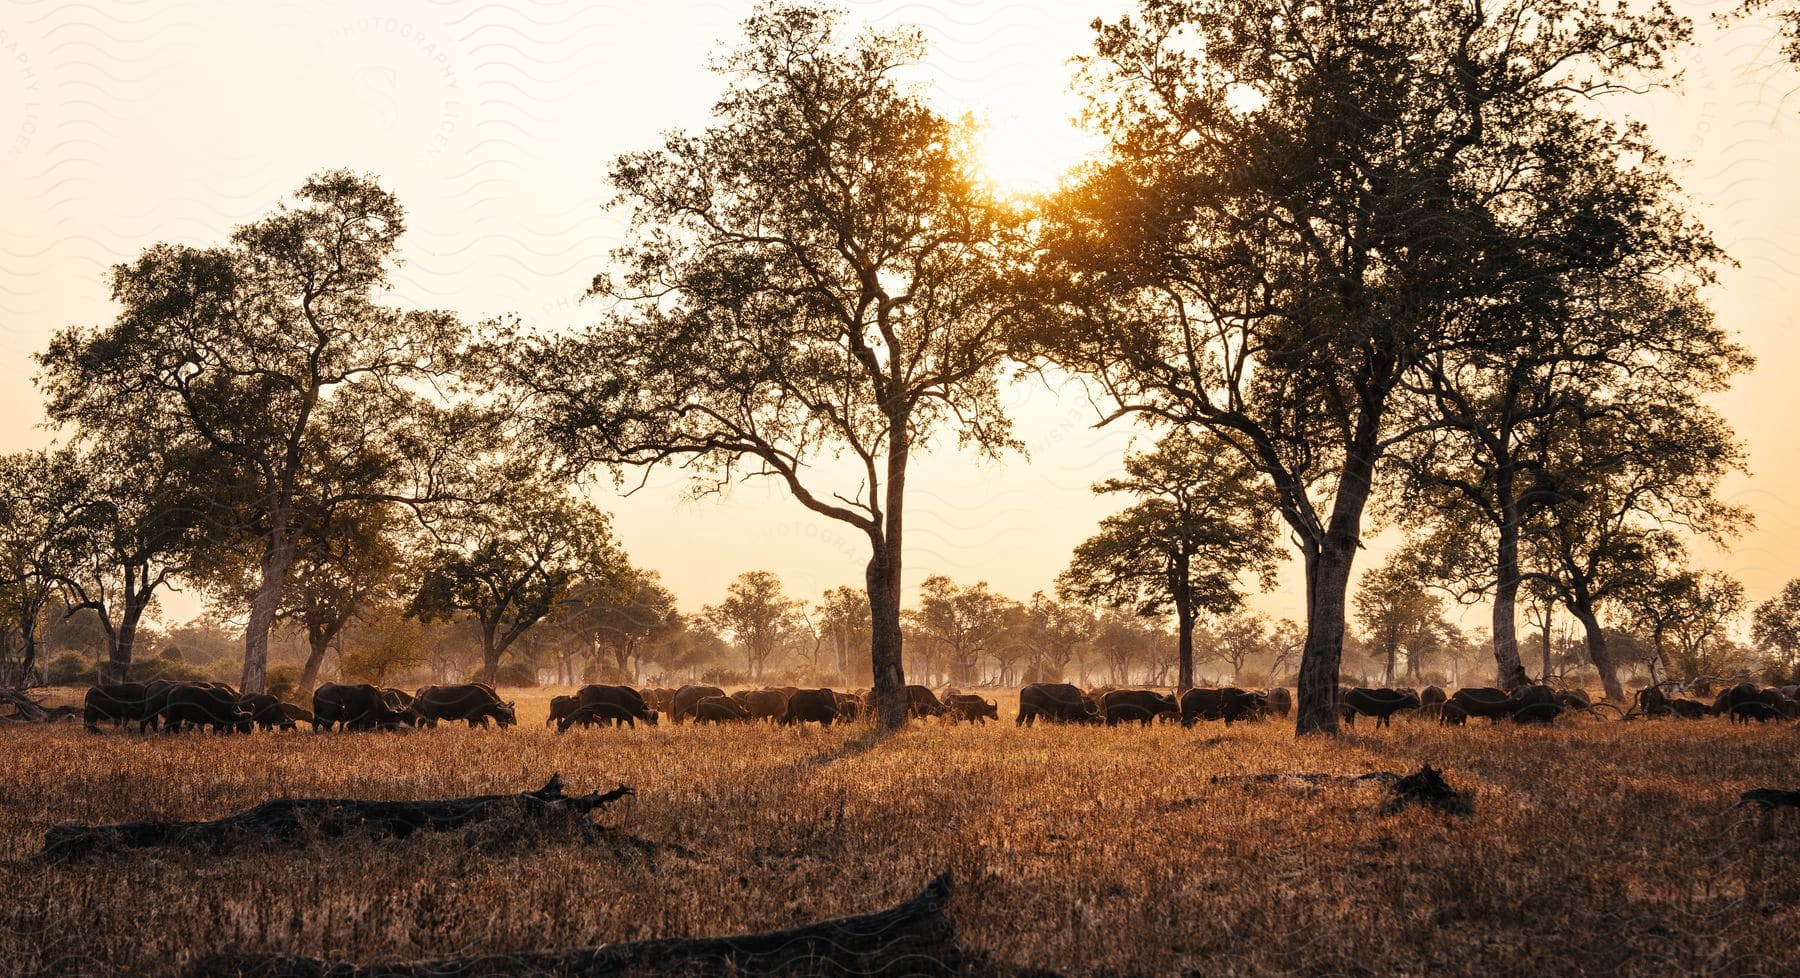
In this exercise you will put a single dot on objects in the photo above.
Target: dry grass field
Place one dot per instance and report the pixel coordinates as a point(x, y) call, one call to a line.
point(1595, 848)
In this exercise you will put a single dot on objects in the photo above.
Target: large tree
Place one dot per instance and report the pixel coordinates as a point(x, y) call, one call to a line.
point(1687, 613)
point(961, 621)
point(758, 615)
point(816, 285)
point(1305, 201)
point(138, 514)
point(1775, 628)
point(249, 347)
point(37, 511)
point(1627, 483)
point(511, 561)
point(1202, 528)
point(1400, 615)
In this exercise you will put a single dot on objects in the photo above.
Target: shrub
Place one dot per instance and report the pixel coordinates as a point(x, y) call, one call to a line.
point(281, 681)
point(71, 669)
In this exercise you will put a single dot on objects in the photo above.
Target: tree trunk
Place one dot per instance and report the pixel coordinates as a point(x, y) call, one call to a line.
point(318, 642)
point(1510, 671)
point(276, 562)
point(1598, 653)
point(1184, 627)
point(1549, 613)
point(1327, 587)
point(490, 656)
point(889, 688)
point(118, 666)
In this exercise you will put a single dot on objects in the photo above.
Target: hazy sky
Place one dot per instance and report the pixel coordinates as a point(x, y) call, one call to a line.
point(123, 123)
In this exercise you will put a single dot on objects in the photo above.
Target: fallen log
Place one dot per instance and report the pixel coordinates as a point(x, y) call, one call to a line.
point(24, 707)
point(1425, 786)
point(297, 820)
point(910, 938)
point(1767, 798)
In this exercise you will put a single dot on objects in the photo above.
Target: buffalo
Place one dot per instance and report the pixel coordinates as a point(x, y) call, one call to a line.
point(203, 705)
point(970, 707)
point(850, 706)
point(474, 703)
point(1228, 703)
point(1056, 702)
point(1136, 705)
point(810, 706)
point(1484, 701)
point(611, 705)
point(1543, 712)
point(1279, 701)
point(1453, 713)
point(1687, 709)
point(763, 704)
point(1381, 704)
point(683, 703)
point(922, 702)
point(1745, 711)
point(720, 709)
point(561, 707)
point(117, 702)
point(1574, 699)
point(1432, 700)
point(356, 706)
point(266, 712)
point(293, 714)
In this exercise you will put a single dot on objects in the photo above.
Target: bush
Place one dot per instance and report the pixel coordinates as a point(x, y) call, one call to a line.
point(281, 681)
point(515, 674)
point(173, 670)
point(71, 669)
point(172, 653)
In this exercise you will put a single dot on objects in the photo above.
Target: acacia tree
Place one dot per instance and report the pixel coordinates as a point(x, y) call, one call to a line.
point(844, 619)
point(1201, 529)
point(1627, 481)
point(510, 562)
point(36, 512)
point(623, 623)
point(137, 517)
point(1399, 614)
point(247, 347)
point(1686, 613)
point(962, 621)
point(1304, 202)
point(1055, 632)
point(757, 614)
point(816, 285)
point(1775, 627)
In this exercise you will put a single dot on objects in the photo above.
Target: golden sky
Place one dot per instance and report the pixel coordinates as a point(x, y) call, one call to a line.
point(122, 124)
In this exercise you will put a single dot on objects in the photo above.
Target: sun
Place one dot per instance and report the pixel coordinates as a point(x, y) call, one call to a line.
point(1022, 155)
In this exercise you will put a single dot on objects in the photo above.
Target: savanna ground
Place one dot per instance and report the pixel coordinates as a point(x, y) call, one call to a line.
point(1595, 847)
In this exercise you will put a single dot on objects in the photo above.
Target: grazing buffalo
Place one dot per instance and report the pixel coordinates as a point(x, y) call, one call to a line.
point(1774, 704)
point(685, 699)
point(611, 705)
point(810, 706)
point(660, 698)
point(293, 714)
point(1453, 714)
point(1484, 701)
point(1381, 704)
point(474, 703)
point(1574, 699)
point(1432, 700)
point(1279, 701)
point(203, 705)
point(850, 706)
point(1056, 702)
point(356, 706)
point(720, 709)
point(970, 707)
point(763, 704)
point(922, 702)
point(1653, 702)
point(1139, 706)
point(1228, 703)
point(1745, 711)
point(1687, 709)
point(1543, 713)
point(117, 702)
point(1783, 703)
point(266, 712)
point(561, 708)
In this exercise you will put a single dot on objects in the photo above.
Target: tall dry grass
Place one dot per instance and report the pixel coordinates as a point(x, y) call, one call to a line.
point(1595, 848)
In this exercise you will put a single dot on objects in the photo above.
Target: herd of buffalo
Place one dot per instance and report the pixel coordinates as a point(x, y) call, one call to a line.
point(174, 706)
